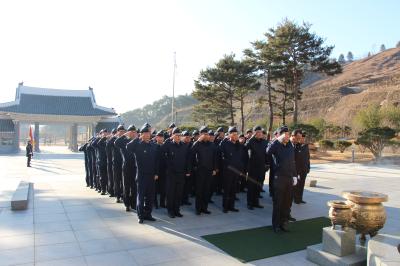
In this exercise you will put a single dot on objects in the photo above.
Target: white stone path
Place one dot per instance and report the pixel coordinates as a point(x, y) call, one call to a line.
point(69, 224)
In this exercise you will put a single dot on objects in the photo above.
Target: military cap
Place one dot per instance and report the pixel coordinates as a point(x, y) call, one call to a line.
point(220, 129)
point(186, 133)
point(131, 128)
point(203, 129)
point(257, 128)
point(172, 125)
point(120, 127)
point(283, 129)
point(145, 128)
point(176, 130)
point(114, 130)
point(232, 129)
point(241, 136)
point(249, 131)
point(160, 133)
point(211, 133)
point(195, 132)
point(154, 132)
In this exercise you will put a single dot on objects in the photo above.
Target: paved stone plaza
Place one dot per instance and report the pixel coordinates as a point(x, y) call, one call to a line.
point(69, 224)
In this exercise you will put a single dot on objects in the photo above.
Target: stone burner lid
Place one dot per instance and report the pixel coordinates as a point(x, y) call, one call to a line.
point(366, 197)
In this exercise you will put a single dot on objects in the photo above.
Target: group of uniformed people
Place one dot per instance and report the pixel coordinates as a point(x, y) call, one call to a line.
point(143, 168)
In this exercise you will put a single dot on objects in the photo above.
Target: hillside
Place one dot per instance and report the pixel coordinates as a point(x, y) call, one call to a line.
point(158, 113)
point(375, 79)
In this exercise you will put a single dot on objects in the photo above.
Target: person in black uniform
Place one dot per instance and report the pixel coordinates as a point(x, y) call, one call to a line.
point(161, 181)
point(96, 172)
point(234, 160)
point(204, 154)
point(147, 158)
point(302, 159)
point(86, 157)
point(249, 134)
point(109, 150)
point(176, 155)
point(187, 188)
point(271, 169)
point(257, 166)
point(282, 154)
point(29, 153)
point(219, 177)
point(100, 145)
point(117, 164)
point(128, 168)
point(91, 158)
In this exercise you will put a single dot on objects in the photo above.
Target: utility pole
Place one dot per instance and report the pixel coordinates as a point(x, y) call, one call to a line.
point(173, 91)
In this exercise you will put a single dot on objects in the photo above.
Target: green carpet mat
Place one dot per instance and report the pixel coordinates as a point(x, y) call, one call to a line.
point(259, 243)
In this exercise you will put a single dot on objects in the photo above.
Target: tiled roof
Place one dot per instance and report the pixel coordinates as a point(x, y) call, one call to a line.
point(55, 105)
point(42, 101)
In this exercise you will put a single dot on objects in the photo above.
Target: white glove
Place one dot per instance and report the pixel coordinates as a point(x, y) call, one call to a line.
point(294, 180)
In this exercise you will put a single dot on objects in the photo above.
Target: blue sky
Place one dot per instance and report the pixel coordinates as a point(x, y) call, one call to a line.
point(124, 49)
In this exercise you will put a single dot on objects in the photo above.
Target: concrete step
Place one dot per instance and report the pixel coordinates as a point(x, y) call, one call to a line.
point(20, 198)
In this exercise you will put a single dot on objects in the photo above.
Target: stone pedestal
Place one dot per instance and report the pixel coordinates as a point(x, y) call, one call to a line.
point(338, 248)
point(339, 242)
point(383, 250)
point(312, 183)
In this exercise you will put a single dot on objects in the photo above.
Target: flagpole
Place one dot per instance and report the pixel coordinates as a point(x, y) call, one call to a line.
point(173, 91)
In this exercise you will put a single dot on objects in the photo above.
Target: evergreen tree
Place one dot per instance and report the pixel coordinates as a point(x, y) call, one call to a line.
point(299, 50)
point(341, 59)
point(350, 57)
point(383, 48)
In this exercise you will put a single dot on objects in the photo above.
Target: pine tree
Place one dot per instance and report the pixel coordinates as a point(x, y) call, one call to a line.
point(341, 59)
point(398, 44)
point(299, 50)
point(383, 48)
point(350, 56)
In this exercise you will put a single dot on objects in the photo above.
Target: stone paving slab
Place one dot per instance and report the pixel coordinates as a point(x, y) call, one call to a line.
point(69, 224)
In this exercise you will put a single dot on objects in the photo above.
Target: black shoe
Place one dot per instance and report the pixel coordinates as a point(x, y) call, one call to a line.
point(302, 202)
point(198, 212)
point(87, 185)
point(262, 190)
point(250, 207)
point(178, 214)
point(259, 206)
point(292, 219)
point(103, 193)
point(296, 202)
point(210, 201)
point(233, 210)
point(133, 208)
point(171, 215)
point(187, 203)
point(127, 209)
point(111, 196)
point(260, 197)
point(284, 228)
point(206, 212)
point(225, 210)
point(163, 206)
point(236, 198)
point(150, 218)
point(140, 220)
